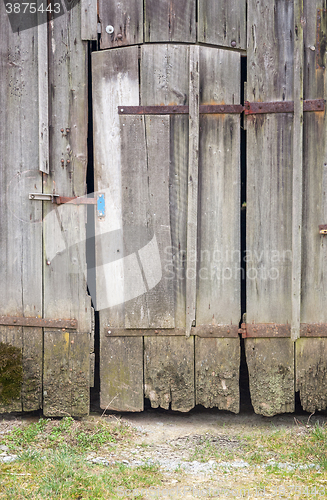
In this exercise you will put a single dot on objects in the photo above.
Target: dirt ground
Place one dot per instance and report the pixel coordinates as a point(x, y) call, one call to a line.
point(203, 454)
point(178, 442)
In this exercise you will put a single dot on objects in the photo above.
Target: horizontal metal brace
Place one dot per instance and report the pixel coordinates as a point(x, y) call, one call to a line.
point(250, 108)
point(323, 229)
point(274, 330)
point(39, 322)
point(204, 331)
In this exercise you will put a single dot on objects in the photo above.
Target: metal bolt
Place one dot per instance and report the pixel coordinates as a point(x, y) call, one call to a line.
point(109, 29)
point(62, 161)
point(48, 262)
point(62, 130)
point(233, 43)
point(68, 161)
point(120, 36)
point(109, 331)
point(67, 130)
point(32, 196)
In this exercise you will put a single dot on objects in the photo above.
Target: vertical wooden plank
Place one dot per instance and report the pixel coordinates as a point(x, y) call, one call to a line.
point(269, 202)
point(170, 21)
point(192, 189)
point(122, 381)
point(271, 373)
point(165, 80)
point(43, 97)
point(218, 287)
point(297, 169)
point(145, 211)
point(65, 293)
point(20, 219)
point(115, 79)
point(89, 20)
point(311, 365)
point(32, 368)
point(222, 22)
point(169, 372)
point(121, 23)
point(217, 364)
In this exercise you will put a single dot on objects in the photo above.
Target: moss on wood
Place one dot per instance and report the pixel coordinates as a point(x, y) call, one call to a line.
point(11, 372)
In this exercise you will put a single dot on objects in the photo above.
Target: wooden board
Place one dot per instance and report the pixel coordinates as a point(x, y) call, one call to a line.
point(123, 20)
point(115, 82)
point(269, 191)
point(169, 372)
point(165, 80)
point(170, 21)
point(311, 373)
point(311, 353)
point(20, 221)
point(122, 381)
point(271, 375)
point(217, 363)
point(89, 20)
point(65, 293)
point(218, 268)
point(222, 22)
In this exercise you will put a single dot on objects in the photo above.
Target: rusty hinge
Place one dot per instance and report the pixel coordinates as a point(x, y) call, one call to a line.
point(323, 229)
point(99, 201)
point(39, 322)
point(275, 330)
point(252, 108)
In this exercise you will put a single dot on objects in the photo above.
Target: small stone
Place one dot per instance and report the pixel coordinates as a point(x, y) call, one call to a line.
point(4, 448)
point(126, 462)
point(8, 458)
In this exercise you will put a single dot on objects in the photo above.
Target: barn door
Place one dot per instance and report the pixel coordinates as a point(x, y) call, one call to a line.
point(286, 204)
point(167, 287)
point(45, 311)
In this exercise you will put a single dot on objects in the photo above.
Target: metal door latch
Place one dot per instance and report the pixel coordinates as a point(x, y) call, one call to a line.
point(99, 201)
point(323, 229)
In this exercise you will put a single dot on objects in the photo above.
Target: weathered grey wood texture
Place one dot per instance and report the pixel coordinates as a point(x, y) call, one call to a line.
point(297, 197)
point(170, 21)
point(269, 197)
point(222, 22)
point(218, 267)
point(89, 20)
point(115, 82)
point(192, 187)
point(311, 364)
point(271, 374)
point(165, 79)
point(20, 219)
point(126, 19)
point(66, 355)
point(217, 364)
point(169, 372)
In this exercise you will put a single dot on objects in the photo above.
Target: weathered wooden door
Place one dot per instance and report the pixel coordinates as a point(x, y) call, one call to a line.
point(168, 247)
point(169, 293)
point(45, 311)
point(286, 204)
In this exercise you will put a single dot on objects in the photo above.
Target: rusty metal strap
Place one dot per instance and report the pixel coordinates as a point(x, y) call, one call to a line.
point(250, 108)
point(205, 331)
point(39, 322)
point(273, 330)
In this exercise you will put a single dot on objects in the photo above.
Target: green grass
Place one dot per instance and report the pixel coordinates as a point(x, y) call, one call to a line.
point(52, 461)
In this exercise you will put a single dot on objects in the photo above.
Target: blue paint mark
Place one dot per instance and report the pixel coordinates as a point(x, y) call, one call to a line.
point(101, 205)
